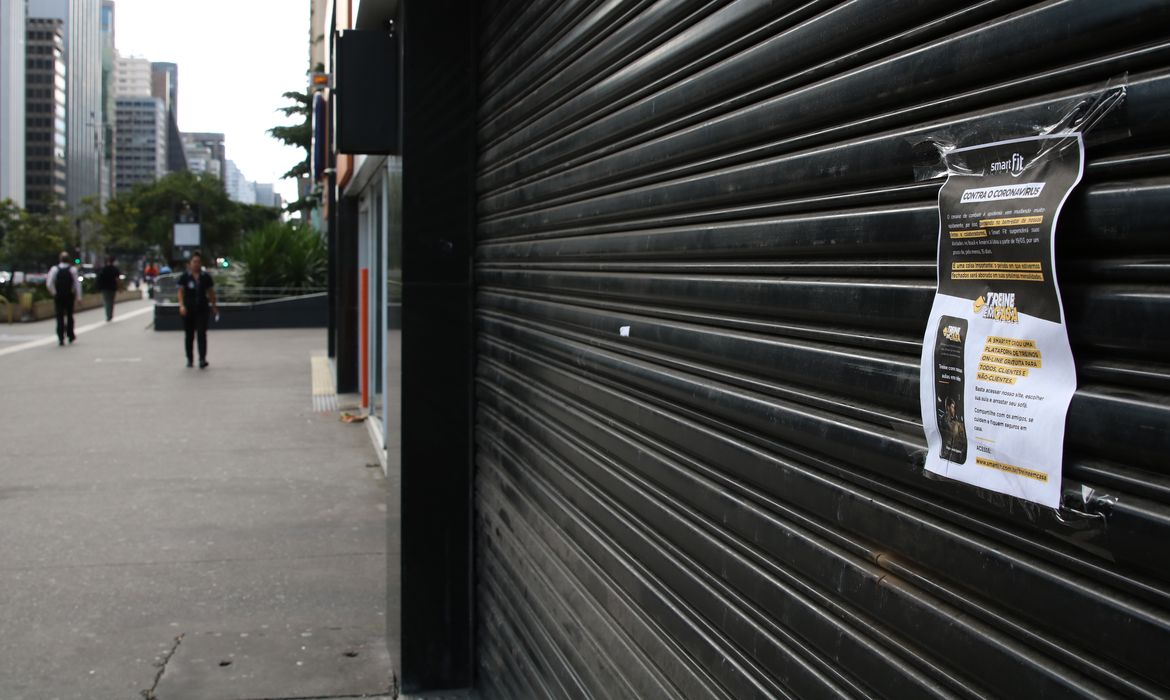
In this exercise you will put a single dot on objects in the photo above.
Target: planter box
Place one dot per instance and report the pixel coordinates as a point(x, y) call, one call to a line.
point(308, 311)
point(46, 308)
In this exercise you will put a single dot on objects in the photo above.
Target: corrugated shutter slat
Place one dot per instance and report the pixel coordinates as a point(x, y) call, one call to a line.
point(705, 258)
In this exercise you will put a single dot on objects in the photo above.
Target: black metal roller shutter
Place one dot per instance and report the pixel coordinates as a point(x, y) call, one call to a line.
point(704, 264)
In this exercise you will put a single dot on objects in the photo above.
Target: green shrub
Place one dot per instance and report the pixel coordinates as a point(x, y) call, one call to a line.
point(12, 292)
point(283, 256)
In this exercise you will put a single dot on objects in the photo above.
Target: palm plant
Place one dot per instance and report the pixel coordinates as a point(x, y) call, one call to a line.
point(283, 257)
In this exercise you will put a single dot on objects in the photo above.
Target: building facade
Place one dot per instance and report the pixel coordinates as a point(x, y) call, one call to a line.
point(200, 160)
point(45, 135)
point(668, 439)
point(132, 77)
point(246, 192)
point(165, 85)
point(266, 195)
point(109, 97)
point(320, 23)
point(12, 100)
point(142, 146)
point(213, 141)
point(83, 75)
point(239, 188)
point(206, 152)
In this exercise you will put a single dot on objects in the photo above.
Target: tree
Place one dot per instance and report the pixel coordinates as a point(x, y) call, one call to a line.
point(9, 218)
point(253, 216)
point(299, 135)
point(157, 203)
point(118, 227)
point(144, 217)
point(33, 240)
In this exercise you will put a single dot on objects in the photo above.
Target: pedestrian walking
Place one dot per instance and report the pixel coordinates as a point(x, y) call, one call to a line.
point(196, 305)
point(150, 274)
point(107, 282)
point(65, 287)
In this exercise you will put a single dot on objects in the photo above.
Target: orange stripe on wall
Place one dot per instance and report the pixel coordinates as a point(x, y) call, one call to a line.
point(363, 312)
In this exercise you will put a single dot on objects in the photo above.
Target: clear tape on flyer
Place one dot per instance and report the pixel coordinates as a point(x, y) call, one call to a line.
point(1081, 520)
point(1082, 517)
point(1086, 502)
point(1083, 509)
point(1086, 114)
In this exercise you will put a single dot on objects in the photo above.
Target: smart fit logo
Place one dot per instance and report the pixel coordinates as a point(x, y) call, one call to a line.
point(1013, 165)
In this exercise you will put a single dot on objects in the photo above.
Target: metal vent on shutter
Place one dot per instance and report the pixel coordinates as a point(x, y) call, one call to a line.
point(704, 265)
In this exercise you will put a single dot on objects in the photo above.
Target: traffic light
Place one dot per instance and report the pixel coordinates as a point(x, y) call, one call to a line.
point(225, 263)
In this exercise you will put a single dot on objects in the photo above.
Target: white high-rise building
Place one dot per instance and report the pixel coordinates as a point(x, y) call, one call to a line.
point(83, 93)
point(266, 194)
point(12, 100)
point(205, 152)
point(248, 192)
point(140, 153)
point(200, 160)
point(236, 184)
point(132, 76)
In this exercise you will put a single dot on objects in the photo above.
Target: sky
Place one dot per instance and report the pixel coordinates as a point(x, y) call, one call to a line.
point(235, 58)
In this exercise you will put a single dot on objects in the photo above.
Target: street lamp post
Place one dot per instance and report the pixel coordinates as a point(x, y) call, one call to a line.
point(97, 152)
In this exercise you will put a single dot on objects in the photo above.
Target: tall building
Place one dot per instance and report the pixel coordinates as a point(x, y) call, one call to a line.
point(164, 84)
point(142, 124)
point(83, 93)
point(142, 146)
point(132, 76)
point(200, 159)
point(12, 100)
point(205, 152)
point(247, 192)
point(109, 96)
point(236, 184)
point(45, 137)
point(213, 141)
point(318, 44)
point(266, 195)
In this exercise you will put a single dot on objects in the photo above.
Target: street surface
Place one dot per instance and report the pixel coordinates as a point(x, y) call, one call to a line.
point(178, 533)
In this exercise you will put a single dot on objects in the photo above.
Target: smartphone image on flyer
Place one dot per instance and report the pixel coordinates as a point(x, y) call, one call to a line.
point(948, 388)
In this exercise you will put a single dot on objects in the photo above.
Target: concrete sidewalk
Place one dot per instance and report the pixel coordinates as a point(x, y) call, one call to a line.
point(85, 321)
point(182, 533)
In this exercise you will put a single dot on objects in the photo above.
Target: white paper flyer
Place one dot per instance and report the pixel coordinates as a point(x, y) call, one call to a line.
point(997, 371)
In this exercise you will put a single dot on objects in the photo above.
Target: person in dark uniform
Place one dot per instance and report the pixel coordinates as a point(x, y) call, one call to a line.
point(65, 286)
point(107, 282)
point(196, 305)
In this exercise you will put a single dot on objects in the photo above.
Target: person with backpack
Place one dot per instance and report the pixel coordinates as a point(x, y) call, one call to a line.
point(65, 287)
